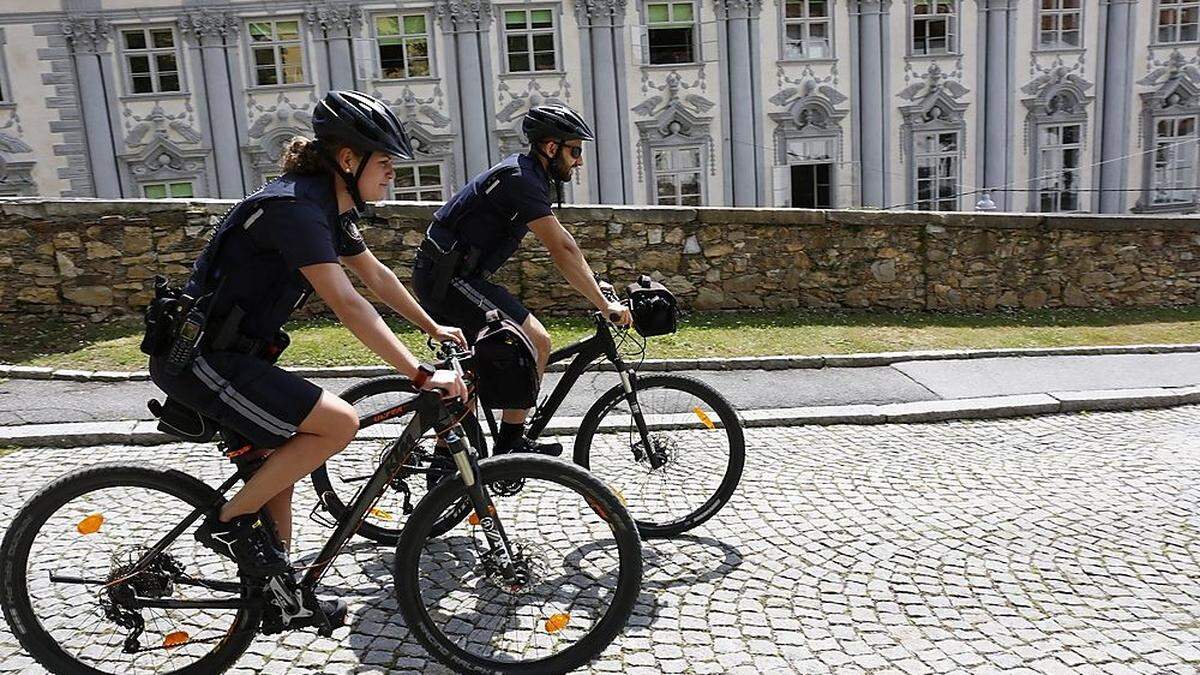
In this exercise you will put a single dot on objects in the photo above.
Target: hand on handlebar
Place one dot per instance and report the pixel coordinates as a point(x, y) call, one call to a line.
point(448, 334)
point(618, 313)
point(448, 382)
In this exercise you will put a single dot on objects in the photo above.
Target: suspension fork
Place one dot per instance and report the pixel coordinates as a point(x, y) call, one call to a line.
point(467, 462)
point(629, 383)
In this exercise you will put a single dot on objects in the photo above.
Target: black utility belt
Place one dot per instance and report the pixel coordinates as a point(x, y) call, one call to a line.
point(446, 265)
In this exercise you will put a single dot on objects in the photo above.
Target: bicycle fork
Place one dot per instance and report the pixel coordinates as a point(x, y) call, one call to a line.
point(481, 503)
point(629, 382)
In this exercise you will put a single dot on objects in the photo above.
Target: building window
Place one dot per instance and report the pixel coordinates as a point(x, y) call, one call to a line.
point(933, 30)
point(671, 32)
point(677, 177)
point(1059, 149)
point(1178, 20)
point(174, 190)
point(403, 46)
point(1058, 27)
point(419, 182)
point(276, 51)
point(1174, 160)
point(937, 163)
point(529, 40)
point(151, 63)
point(811, 171)
point(807, 31)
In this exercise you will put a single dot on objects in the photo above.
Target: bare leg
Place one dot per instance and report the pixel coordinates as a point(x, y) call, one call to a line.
point(279, 508)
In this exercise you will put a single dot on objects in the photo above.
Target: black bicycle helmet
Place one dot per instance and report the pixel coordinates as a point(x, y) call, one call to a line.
point(362, 122)
point(555, 122)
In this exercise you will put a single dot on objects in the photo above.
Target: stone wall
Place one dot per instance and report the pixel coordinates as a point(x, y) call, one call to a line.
point(96, 259)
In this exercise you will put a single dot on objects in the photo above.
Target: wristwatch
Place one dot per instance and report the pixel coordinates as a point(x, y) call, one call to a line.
point(424, 372)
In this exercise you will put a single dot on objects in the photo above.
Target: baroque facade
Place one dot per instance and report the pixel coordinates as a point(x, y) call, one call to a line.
point(1045, 105)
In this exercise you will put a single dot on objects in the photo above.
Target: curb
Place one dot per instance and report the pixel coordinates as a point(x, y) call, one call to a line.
point(143, 432)
point(663, 365)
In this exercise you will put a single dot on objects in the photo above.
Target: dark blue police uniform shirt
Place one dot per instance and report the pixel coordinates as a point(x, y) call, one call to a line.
point(299, 226)
point(495, 221)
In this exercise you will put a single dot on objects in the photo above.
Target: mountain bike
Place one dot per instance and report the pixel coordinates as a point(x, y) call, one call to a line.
point(670, 445)
point(513, 564)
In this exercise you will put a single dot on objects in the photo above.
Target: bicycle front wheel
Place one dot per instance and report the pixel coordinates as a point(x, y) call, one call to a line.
point(692, 465)
point(75, 601)
point(574, 577)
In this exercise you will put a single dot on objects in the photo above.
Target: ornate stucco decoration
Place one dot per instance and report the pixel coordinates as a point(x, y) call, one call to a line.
point(1058, 93)
point(16, 177)
point(934, 101)
point(1174, 87)
point(282, 113)
point(810, 111)
point(164, 160)
point(588, 12)
point(412, 108)
point(206, 23)
point(157, 124)
point(86, 34)
point(333, 15)
point(727, 8)
point(512, 112)
point(675, 118)
point(463, 15)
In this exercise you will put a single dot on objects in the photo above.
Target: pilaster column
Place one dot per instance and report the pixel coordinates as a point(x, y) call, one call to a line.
point(998, 91)
point(215, 33)
point(736, 21)
point(338, 23)
point(464, 23)
point(1117, 98)
point(871, 18)
point(88, 41)
point(601, 22)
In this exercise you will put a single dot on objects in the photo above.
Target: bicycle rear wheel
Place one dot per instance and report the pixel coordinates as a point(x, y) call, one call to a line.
point(73, 601)
point(577, 559)
point(696, 440)
point(338, 480)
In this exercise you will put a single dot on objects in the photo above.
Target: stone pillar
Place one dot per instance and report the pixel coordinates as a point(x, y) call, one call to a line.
point(464, 23)
point(1117, 97)
point(998, 90)
point(601, 22)
point(338, 24)
point(215, 33)
point(871, 16)
point(742, 104)
point(88, 40)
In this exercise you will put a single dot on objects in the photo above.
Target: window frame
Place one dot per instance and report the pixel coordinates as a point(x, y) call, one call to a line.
point(150, 52)
point(252, 47)
point(429, 45)
point(555, 32)
point(1153, 183)
point(418, 188)
point(676, 172)
point(647, 26)
point(953, 31)
point(1157, 27)
point(1042, 170)
point(784, 22)
point(6, 92)
point(168, 186)
point(918, 155)
point(1059, 46)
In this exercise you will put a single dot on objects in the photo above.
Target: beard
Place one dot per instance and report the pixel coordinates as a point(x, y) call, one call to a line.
point(563, 172)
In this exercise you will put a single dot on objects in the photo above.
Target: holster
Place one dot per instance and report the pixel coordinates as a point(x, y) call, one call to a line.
point(445, 268)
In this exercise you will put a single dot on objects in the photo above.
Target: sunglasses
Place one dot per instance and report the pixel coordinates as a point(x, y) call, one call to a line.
point(576, 151)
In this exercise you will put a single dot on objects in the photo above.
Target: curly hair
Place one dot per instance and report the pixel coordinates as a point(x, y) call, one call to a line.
point(303, 156)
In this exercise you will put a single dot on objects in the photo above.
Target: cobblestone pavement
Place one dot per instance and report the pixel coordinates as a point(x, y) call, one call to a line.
point(1053, 545)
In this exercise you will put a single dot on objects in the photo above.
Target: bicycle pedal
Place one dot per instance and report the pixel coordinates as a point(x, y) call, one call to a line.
point(320, 513)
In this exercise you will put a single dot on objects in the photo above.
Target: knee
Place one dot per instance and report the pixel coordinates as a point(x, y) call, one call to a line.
point(345, 426)
point(540, 338)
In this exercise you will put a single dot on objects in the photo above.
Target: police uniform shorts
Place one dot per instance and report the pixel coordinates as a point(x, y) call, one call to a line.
point(260, 401)
point(467, 301)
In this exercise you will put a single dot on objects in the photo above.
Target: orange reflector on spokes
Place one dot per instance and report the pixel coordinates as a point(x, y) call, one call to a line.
point(91, 524)
point(381, 514)
point(557, 622)
point(175, 639)
point(704, 417)
point(473, 519)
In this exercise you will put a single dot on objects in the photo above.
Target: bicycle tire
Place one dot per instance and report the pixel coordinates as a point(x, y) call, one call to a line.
point(730, 422)
point(15, 549)
point(337, 505)
point(514, 468)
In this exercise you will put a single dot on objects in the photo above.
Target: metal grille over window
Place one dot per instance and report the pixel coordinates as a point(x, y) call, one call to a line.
point(937, 162)
point(1059, 24)
point(278, 56)
point(1059, 148)
point(1175, 150)
point(175, 190)
point(151, 64)
point(419, 183)
point(403, 46)
point(671, 32)
point(677, 176)
point(806, 26)
point(933, 27)
point(1178, 21)
point(529, 40)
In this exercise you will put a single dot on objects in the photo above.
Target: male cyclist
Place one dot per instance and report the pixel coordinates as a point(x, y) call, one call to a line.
point(482, 226)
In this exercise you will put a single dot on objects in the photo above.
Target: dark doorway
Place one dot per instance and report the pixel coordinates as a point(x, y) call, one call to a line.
point(810, 186)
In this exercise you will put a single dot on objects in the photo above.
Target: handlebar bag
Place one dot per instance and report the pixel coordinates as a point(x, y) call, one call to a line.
point(654, 308)
point(505, 365)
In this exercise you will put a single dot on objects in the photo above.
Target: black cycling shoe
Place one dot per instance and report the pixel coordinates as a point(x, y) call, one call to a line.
point(523, 444)
point(248, 540)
